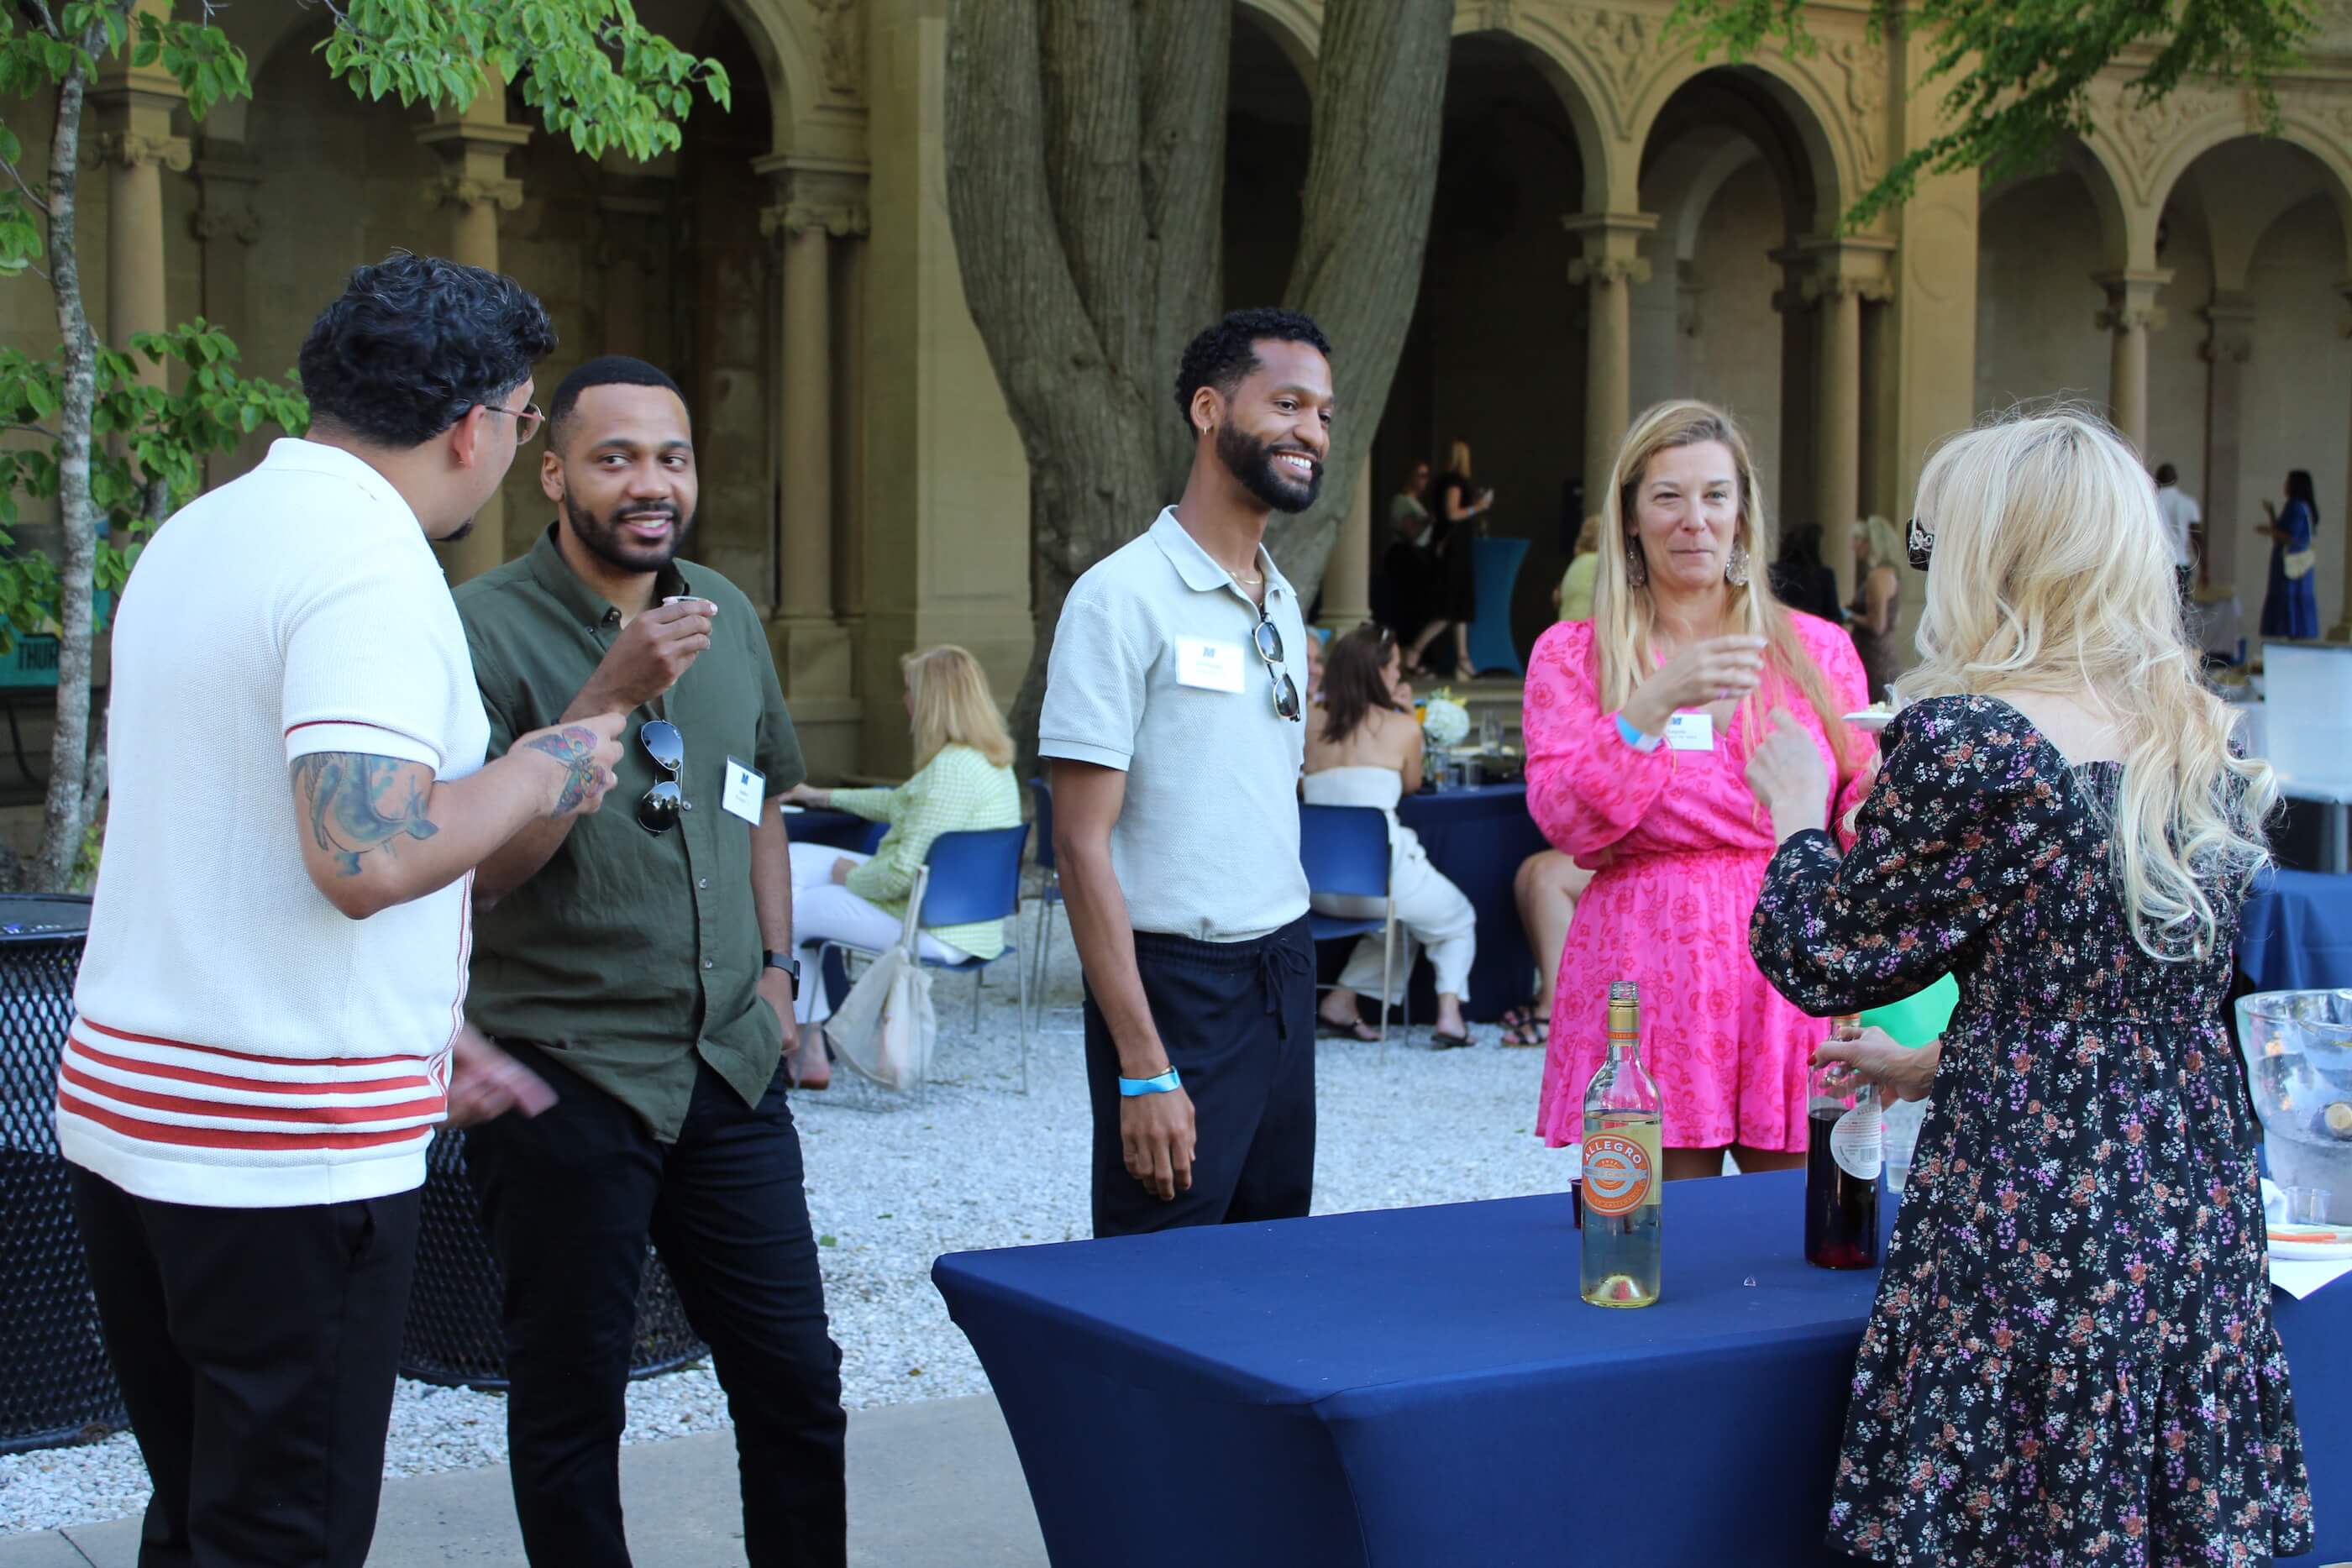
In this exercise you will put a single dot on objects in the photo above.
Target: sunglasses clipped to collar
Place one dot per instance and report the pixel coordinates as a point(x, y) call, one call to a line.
point(658, 812)
point(1919, 544)
point(1267, 638)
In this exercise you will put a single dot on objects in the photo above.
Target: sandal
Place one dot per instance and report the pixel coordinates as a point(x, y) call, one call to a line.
point(1530, 1030)
point(1333, 1029)
point(1440, 1040)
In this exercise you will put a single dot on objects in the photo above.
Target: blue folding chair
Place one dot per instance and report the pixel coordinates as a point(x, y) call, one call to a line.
point(967, 878)
point(1345, 851)
point(1049, 892)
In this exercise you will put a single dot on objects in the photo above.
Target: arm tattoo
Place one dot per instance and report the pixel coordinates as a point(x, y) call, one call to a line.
point(575, 747)
point(358, 802)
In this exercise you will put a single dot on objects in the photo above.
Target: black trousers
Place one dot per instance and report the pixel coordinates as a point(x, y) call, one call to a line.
point(256, 1349)
point(569, 1199)
point(1238, 1020)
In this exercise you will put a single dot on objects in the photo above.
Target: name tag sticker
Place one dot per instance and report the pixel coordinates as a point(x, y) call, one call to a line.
point(746, 788)
point(1211, 667)
point(1691, 732)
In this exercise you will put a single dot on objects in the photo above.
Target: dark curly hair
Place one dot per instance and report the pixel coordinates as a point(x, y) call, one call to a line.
point(1222, 354)
point(415, 341)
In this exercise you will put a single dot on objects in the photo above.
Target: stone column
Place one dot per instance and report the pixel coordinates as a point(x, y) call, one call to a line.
point(2131, 311)
point(2226, 350)
point(131, 112)
point(1844, 275)
point(1610, 267)
point(226, 227)
point(1348, 574)
point(849, 427)
point(473, 189)
point(812, 648)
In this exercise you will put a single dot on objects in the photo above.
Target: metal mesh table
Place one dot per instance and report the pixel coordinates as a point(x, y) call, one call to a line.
point(56, 1384)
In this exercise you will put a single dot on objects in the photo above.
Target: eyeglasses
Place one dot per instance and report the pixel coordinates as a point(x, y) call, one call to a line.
point(657, 813)
point(528, 419)
point(1919, 545)
point(1267, 638)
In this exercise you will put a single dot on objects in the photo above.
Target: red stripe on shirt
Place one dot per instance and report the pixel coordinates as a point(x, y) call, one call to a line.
point(248, 1085)
point(231, 1137)
point(412, 1062)
point(344, 722)
point(328, 1115)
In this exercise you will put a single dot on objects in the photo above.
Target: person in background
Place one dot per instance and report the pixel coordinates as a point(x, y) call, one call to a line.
point(1316, 636)
point(641, 960)
point(1802, 579)
point(1639, 726)
point(1878, 561)
point(2180, 519)
point(963, 783)
point(1366, 751)
point(1176, 729)
point(1408, 566)
point(1545, 888)
point(1456, 532)
point(1573, 597)
point(267, 1018)
point(2291, 607)
point(2072, 1358)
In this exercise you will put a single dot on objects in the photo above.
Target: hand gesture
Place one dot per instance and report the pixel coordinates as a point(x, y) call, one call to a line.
point(485, 1081)
point(586, 752)
point(842, 866)
point(805, 795)
point(1718, 669)
point(1876, 1057)
point(649, 655)
point(1787, 775)
point(1157, 1135)
point(1861, 796)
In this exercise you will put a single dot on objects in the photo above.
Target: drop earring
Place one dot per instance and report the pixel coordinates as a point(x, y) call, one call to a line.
point(1637, 566)
point(1735, 568)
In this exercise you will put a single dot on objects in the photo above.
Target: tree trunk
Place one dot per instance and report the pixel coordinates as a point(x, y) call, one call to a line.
point(1372, 180)
point(66, 812)
point(1086, 173)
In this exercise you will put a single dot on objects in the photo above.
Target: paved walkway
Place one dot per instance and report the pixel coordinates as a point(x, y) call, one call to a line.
point(932, 1485)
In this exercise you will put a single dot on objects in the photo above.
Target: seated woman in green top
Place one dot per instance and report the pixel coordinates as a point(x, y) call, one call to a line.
point(963, 781)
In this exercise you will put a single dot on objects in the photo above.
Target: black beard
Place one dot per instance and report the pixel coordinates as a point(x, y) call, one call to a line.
point(1251, 463)
point(459, 532)
point(603, 536)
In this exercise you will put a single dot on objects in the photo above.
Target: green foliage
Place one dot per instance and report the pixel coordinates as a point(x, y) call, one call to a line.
point(2018, 72)
point(146, 460)
point(588, 67)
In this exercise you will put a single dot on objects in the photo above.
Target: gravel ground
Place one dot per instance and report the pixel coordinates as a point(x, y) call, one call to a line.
point(892, 1185)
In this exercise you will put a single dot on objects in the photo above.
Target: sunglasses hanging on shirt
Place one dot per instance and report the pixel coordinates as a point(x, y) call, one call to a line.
point(658, 812)
point(1267, 638)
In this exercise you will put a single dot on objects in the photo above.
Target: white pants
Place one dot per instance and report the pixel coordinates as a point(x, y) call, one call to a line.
point(1433, 911)
point(824, 911)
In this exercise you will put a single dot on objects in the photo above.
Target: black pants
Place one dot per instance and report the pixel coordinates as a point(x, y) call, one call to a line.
point(569, 1199)
point(1238, 1020)
point(257, 1349)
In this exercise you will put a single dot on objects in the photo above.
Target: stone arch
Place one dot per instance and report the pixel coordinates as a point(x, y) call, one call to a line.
point(2121, 239)
point(1297, 28)
point(1794, 92)
point(2301, 126)
point(1582, 92)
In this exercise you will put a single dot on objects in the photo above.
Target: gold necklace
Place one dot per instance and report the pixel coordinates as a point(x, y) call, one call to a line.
point(1238, 577)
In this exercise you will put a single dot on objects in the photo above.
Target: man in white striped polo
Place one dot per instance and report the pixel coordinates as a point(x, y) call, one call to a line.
point(272, 995)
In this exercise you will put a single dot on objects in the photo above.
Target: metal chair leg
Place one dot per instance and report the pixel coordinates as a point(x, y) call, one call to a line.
point(1024, 1031)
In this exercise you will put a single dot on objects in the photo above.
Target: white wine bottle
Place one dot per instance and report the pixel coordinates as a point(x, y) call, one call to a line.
point(1622, 1175)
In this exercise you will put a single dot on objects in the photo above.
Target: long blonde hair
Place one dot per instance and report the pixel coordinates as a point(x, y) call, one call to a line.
point(1457, 459)
point(953, 706)
point(2052, 573)
point(1623, 613)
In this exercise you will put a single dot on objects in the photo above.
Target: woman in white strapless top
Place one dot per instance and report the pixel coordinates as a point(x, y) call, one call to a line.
point(1363, 749)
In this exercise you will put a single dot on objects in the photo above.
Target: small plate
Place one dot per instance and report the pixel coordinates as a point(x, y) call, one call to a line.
point(2311, 1243)
point(1871, 718)
point(790, 809)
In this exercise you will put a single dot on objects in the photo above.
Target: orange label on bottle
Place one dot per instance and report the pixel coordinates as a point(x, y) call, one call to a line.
point(1619, 1172)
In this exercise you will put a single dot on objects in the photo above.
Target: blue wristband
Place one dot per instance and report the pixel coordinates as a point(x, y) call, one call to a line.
point(1634, 737)
point(1129, 1088)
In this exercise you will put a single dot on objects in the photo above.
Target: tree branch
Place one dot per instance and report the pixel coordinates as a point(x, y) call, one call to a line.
point(32, 430)
point(26, 185)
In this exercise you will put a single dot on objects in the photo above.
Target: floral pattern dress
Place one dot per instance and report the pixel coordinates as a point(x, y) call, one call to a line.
point(2072, 1359)
point(1682, 843)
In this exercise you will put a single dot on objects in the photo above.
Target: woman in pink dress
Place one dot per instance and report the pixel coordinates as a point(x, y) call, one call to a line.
point(1640, 724)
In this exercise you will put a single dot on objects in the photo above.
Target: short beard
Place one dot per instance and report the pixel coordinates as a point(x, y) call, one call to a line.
point(462, 530)
point(1252, 462)
point(601, 535)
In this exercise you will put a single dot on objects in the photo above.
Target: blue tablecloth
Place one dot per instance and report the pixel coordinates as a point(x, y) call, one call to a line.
point(1477, 839)
point(1423, 1388)
point(2296, 932)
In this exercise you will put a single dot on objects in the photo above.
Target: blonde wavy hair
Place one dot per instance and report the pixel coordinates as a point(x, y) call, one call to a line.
point(953, 706)
point(1885, 544)
point(1623, 615)
point(2051, 574)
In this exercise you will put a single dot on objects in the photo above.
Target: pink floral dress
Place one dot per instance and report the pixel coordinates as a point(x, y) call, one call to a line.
point(1686, 845)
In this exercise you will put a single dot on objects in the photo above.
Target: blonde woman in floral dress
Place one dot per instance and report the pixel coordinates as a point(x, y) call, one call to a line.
point(2072, 1359)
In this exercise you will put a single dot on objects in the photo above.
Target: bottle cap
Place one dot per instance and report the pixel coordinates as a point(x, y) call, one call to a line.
point(1623, 991)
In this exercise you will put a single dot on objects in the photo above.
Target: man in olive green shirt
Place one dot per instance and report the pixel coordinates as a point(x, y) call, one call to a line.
point(643, 964)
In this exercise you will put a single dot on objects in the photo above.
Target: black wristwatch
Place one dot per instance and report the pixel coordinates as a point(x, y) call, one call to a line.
point(791, 968)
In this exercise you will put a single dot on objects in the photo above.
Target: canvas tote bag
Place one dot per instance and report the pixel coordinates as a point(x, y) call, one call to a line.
point(885, 1026)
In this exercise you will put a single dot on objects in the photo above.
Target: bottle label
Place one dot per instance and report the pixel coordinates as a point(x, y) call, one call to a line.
point(1620, 1169)
point(1858, 1142)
